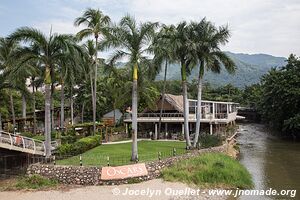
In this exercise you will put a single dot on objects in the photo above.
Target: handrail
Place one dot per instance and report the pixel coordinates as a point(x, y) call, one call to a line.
point(17, 140)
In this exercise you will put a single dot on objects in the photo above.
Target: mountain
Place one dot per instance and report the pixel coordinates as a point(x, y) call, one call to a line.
point(250, 68)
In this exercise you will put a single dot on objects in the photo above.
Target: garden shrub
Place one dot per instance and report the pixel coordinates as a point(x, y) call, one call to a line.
point(79, 146)
point(207, 140)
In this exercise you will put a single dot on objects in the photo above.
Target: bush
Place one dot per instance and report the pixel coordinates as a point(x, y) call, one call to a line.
point(80, 146)
point(207, 140)
point(35, 182)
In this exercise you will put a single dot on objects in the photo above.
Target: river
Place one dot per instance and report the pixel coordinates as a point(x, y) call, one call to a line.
point(273, 163)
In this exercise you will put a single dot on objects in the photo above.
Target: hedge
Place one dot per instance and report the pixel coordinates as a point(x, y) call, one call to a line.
point(79, 146)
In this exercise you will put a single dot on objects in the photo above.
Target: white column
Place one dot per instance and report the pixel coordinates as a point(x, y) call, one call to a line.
point(182, 129)
point(126, 128)
point(155, 129)
point(227, 107)
point(210, 128)
point(214, 111)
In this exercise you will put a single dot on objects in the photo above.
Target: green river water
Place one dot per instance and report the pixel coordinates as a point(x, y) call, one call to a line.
point(273, 163)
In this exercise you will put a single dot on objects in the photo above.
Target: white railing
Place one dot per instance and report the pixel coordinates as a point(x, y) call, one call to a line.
point(178, 115)
point(26, 143)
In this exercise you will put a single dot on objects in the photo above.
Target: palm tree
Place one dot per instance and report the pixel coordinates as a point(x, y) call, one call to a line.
point(207, 40)
point(96, 23)
point(163, 53)
point(182, 47)
point(15, 78)
point(69, 68)
point(133, 43)
point(48, 51)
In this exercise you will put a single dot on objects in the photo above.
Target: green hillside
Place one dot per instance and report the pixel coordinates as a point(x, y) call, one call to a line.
point(250, 68)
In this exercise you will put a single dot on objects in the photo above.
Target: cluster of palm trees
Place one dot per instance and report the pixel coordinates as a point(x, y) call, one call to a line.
point(72, 60)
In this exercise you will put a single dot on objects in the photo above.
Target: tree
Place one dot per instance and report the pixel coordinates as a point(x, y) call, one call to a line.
point(163, 53)
point(182, 47)
point(48, 51)
point(206, 41)
point(132, 41)
point(279, 104)
point(96, 23)
point(15, 79)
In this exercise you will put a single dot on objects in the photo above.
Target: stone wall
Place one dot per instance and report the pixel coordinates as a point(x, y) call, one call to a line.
point(91, 175)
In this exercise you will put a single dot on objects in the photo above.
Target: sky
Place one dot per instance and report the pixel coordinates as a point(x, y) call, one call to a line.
point(257, 26)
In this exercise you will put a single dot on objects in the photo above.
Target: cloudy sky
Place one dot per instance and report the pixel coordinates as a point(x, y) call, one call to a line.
point(257, 26)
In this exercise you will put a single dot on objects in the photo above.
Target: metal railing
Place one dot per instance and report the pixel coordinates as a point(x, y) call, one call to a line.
point(25, 143)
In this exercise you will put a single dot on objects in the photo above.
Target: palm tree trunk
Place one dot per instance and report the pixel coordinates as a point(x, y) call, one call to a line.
point(23, 112)
point(198, 114)
point(95, 86)
point(33, 107)
point(93, 105)
point(72, 105)
point(82, 112)
point(0, 122)
point(12, 110)
point(23, 107)
point(134, 153)
point(48, 112)
point(62, 106)
point(185, 107)
point(162, 101)
point(52, 108)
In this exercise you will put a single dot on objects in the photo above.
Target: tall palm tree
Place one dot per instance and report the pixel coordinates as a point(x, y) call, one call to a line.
point(163, 53)
point(96, 23)
point(182, 47)
point(207, 39)
point(132, 41)
point(48, 51)
point(69, 68)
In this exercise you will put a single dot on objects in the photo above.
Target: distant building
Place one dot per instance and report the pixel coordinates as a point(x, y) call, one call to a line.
point(113, 116)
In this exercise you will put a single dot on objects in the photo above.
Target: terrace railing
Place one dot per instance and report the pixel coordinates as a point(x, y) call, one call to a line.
point(25, 144)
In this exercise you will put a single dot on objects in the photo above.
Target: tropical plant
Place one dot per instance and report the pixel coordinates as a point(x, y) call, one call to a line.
point(48, 51)
point(163, 53)
point(206, 39)
point(96, 23)
point(183, 51)
point(132, 41)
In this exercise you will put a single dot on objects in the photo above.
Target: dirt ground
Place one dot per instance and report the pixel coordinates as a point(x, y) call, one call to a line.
point(154, 189)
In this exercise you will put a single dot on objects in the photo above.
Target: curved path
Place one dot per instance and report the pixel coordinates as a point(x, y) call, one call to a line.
point(160, 190)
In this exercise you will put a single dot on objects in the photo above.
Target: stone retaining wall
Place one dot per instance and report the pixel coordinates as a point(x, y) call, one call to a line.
point(91, 175)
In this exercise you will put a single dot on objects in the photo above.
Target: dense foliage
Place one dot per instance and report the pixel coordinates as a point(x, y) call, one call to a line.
point(79, 146)
point(280, 97)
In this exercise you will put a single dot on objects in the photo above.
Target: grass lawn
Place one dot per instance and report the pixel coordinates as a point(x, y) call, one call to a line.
point(28, 182)
point(120, 154)
point(210, 170)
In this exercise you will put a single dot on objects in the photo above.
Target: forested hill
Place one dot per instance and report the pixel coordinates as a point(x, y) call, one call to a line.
point(250, 67)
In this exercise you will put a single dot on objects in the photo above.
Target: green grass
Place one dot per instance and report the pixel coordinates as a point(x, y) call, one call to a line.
point(210, 170)
point(120, 154)
point(31, 182)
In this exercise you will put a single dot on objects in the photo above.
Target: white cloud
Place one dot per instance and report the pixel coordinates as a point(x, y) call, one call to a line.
point(58, 26)
point(268, 26)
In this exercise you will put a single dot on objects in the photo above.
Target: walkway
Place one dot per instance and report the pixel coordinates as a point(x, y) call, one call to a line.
point(16, 142)
point(160, 191)
point(143, 139)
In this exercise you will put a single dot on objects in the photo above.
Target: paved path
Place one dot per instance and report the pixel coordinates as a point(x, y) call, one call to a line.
point(128, 141)
point(159, 189)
